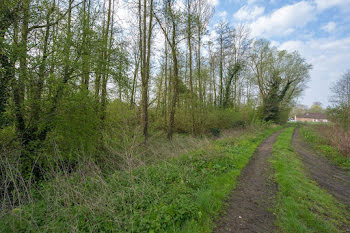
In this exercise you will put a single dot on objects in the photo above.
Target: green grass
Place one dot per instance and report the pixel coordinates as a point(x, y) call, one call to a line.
point(302, 206)
point(183, 194)
point(321, 145)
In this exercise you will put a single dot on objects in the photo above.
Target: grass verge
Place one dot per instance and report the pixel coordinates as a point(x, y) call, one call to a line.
point(302, 206)
point(182, 194)
point(322, 145)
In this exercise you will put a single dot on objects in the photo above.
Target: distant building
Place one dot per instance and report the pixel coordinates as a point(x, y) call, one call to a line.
point(311, 117)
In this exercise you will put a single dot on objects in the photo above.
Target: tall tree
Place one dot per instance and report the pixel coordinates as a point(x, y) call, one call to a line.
point(169, 14)
point(222, 30)
point(204, 11)
point(86, 44)
point(189, 29)
point(341, 100)
point(280, 76)
point(145, 51)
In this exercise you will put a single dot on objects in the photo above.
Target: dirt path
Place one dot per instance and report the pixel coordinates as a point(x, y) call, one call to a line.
point(247, 209)
point(330, 177)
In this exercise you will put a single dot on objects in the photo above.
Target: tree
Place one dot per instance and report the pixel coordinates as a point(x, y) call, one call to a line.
point(280, 76)
point(189, 29)
point(9, 13)
point(222, 30)
point(203, 13)
point(341, 100)
point(341, 91)
point(298, 110)
point(169, 14)
point(316, 107)
point(145, 30)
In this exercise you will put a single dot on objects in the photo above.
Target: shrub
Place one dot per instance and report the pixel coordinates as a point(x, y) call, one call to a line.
point(76, 126)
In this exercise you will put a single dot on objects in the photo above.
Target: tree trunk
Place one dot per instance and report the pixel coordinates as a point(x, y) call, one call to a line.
point(189, 37)
point(145, 47)
point(86, 46)
point(106, 56)
point(36, 108)
point(221, 70)
point(19, 90)
point(175, 82)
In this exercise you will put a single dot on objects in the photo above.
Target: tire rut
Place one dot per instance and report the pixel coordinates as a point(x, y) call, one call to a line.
point(330, 177)
point(247, 208)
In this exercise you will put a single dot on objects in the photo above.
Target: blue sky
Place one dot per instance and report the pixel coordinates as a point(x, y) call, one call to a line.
point(318, 29)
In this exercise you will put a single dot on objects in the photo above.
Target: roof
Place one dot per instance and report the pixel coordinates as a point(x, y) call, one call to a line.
point(313, 116)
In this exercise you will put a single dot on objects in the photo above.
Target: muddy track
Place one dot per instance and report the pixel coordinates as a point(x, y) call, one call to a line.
point(330, 177)
point(248, 207)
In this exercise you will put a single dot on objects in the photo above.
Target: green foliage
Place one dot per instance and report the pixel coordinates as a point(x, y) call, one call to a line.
point(321, 144)
point(340, 114)
point(77, 125)
point(281, 76)
point(7, 135)
point(212, 119)
point(302, 206)
point(170, 196)
point(121, 125)
point(316, 108)
point(223, 119)
point(283, 115)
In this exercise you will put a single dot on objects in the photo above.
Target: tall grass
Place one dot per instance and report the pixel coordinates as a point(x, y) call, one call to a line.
point(330, 141)
point(335, 135)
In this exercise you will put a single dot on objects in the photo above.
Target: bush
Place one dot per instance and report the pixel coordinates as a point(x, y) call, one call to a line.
point(76, 126)
point(207, 119)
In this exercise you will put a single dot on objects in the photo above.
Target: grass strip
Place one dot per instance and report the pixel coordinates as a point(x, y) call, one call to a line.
point(302, 206)
point(182, 194)
point(321, 145)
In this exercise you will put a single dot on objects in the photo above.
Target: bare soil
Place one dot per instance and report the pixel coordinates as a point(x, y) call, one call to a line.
point(248, 207)
point(330, 177)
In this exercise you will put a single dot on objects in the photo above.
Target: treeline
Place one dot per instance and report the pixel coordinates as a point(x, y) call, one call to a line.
point(71, 75)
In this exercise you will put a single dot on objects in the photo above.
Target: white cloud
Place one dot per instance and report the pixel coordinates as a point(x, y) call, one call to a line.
point(223, 14)
point(248, 13)
point(292, 45)
point(251, 1)
point(214, 2)
point(275, 43)
point(329, 27)
point(284, 20)
point(329, 58)
point(325, 4)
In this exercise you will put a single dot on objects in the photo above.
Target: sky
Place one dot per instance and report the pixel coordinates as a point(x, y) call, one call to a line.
point(318, 29)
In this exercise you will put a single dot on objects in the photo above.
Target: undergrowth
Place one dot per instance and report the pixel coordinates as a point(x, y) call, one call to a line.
point(181, 194)
point(322, 144)
point(302, 206)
